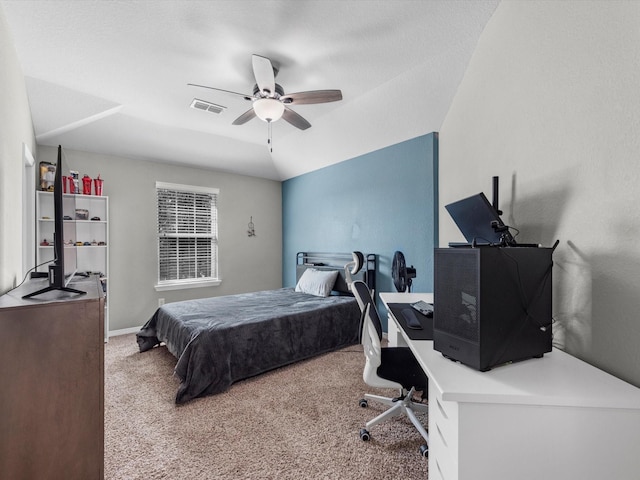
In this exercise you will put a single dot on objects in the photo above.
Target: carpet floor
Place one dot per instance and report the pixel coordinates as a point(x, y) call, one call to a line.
point(297, 422)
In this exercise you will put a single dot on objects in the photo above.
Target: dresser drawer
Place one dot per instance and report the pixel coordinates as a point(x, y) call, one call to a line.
point(443, 436)
point(441, 458)
point(442, 468)
point(445, 416)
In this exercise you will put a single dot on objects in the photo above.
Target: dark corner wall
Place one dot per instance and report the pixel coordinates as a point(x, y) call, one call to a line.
point(379, 202)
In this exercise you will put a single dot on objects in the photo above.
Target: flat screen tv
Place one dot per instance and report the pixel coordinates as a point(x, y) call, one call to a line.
point(58, 278)
point(479, 221)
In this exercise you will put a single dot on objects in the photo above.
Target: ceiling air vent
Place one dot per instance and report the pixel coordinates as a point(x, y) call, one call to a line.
point(207, 106)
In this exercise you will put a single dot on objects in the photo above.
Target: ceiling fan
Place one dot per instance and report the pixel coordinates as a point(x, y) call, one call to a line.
point(270, 103)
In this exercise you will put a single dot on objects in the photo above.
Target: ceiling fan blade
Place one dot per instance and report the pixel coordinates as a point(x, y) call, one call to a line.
point(245, 117)
point(263, 71)
point(294, 119)
point(315, 96)
point(246, 97)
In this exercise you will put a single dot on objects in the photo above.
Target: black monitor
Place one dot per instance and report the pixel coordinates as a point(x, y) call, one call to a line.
point(59, 276)
point(479, 221)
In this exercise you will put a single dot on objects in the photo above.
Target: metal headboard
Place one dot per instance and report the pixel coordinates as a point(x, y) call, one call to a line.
point(337, 261)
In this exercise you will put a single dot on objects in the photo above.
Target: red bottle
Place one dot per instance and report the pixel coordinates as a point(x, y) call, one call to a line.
point(97, 185)
point(86, 185)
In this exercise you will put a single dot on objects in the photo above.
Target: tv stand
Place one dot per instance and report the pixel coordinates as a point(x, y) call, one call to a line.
point(52, 364)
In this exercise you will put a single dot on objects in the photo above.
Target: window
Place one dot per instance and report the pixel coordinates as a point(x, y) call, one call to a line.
point(187, 236)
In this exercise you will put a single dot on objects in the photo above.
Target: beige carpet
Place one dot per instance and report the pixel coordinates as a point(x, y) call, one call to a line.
point(297, 422)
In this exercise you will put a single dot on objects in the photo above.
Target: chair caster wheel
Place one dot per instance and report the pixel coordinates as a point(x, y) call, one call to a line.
point(364, 403)
point(364, 435)
point(424, 450)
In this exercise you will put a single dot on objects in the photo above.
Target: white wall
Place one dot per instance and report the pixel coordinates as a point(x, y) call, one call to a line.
point(245, 263)
point(551, 103)
point(15, 130)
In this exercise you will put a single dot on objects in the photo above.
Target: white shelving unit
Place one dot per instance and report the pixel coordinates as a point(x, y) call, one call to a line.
point(93, 253)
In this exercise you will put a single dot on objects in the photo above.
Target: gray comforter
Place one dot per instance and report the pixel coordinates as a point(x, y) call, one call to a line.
point(221, 340)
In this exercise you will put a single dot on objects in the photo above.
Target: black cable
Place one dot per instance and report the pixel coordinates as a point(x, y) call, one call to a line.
point(514, 228)
point(28, 272)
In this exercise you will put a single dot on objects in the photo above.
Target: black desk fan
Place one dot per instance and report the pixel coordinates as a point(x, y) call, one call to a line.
point(402, 279)
point(400, 273)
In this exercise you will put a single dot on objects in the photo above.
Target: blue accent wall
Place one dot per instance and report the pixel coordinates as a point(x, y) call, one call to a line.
point(379, 202)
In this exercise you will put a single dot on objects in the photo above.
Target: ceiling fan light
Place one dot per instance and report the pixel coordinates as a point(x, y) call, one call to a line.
point(268, 109)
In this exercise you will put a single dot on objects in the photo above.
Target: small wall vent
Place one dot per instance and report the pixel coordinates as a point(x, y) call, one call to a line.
point(207, 106)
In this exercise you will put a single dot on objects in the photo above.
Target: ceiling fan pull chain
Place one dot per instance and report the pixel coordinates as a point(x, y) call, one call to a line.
point(270, 140)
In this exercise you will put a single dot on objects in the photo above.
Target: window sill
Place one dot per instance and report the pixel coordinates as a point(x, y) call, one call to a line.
point(161, 287)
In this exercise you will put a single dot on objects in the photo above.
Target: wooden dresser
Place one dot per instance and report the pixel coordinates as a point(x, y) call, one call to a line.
point(52, 374)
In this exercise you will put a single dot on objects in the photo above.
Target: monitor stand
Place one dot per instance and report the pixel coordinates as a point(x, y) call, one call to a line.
point(52, 288)
point(53, 280)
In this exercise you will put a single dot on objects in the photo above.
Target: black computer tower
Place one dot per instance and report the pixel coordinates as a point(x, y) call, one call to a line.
point(492, 305)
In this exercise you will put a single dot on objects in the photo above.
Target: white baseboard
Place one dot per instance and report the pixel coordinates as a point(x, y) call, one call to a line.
point(124, 331)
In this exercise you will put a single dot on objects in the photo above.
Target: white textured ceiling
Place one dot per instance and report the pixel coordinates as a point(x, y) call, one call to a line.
point(110, 76)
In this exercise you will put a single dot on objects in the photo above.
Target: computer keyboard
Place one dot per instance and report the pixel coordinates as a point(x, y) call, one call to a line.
point(424, 308)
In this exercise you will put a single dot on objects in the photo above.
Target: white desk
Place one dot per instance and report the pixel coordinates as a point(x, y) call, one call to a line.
point(556, 417)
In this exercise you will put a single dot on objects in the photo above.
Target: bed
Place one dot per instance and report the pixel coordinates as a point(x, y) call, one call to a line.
point(221, 340)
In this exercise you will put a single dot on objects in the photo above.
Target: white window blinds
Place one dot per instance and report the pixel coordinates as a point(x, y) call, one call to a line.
point(187, 233)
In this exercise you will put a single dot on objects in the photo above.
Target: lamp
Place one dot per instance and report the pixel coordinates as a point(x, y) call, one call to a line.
point(268, 109)
point(353, 267)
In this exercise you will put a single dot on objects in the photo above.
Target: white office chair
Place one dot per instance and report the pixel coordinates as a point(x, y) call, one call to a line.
point(364, 297)
point(353, 267)
point(393, 367)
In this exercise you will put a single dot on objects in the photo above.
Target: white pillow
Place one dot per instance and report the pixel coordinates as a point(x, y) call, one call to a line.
point(317, 282)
